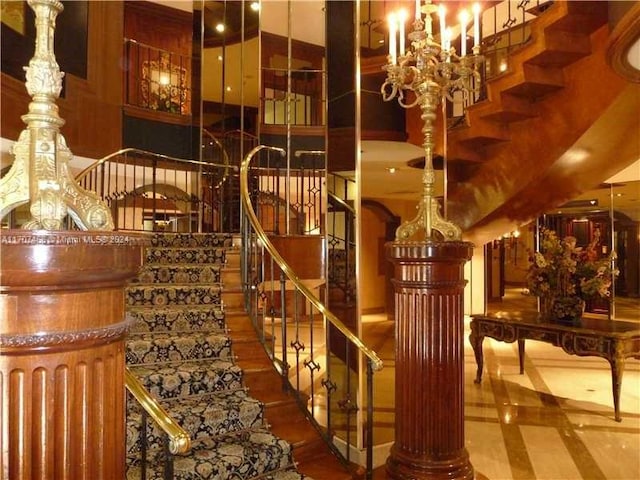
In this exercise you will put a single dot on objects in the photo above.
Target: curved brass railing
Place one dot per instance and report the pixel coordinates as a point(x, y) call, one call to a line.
point(134, 183)
point(80, 176)
point(341, 202)
point(179, 440)
point(288, 271)
point(277, 298)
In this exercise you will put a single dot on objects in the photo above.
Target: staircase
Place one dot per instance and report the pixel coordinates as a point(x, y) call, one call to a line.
point(512, 145)
point(193, 347)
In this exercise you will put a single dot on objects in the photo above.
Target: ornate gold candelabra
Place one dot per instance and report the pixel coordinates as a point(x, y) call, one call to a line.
point(40, 172)
point(433, 71)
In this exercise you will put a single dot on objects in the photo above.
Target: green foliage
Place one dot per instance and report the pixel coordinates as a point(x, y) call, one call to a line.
point(560, 269)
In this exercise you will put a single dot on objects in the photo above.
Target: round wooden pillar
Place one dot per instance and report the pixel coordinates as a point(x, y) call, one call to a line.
point(429, 399)
point(62, 330)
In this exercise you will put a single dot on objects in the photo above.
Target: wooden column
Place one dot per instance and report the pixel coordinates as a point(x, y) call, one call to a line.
point(62, 330)
point(429, 400)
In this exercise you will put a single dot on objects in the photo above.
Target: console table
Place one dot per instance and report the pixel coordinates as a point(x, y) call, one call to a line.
point(614, 340)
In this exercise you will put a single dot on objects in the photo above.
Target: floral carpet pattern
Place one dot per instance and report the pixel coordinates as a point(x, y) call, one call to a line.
point(179, 349)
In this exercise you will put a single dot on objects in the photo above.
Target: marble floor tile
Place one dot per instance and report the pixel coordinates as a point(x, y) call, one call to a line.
point(554, 422)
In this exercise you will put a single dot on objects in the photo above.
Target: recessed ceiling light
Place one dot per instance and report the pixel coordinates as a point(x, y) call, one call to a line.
point(220, 57)
point(228, 89)
point(392, 169)
point(220, 27)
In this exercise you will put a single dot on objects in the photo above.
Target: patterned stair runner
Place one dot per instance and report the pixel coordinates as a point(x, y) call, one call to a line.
point(180, 351)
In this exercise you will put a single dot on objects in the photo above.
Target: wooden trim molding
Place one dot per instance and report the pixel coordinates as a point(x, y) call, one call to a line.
point(44, 342)
point(157, 116)
point(625, 34)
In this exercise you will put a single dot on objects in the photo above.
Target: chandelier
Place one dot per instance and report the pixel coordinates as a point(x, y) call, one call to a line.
point(433, 71)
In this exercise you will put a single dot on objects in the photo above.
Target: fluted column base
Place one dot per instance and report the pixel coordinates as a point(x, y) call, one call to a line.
point(62, 360)
point(429, 381)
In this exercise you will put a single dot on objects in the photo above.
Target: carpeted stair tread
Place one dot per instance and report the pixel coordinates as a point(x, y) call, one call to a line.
point(192, 240)
point(193, 255)
point(202, 416)
point(179, 273)
point(245, 455)
point(181, 349)
point(189, 378)
point(144, 348)
point(286, 474)
point(161, 295)
point(177, 318)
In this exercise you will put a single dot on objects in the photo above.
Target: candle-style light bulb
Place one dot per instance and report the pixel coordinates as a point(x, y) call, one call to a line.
point(463, 16)
point(418, 13)
point(392, 37)
point(476, 24)
point(442, 12)
point(402, 18)
point(448, 35)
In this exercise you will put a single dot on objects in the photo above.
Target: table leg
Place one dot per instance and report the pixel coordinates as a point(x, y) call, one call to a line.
point(617, 369)
point(521, 355)
point(476, 344)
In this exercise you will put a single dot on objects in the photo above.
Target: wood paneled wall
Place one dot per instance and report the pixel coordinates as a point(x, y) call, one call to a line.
point(92, 106)
point(159, 26)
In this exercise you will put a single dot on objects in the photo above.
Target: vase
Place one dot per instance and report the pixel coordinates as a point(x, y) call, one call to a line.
point(545, 303)
point(567, 310)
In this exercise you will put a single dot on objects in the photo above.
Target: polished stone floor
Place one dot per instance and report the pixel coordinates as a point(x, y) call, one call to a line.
point(553, 422)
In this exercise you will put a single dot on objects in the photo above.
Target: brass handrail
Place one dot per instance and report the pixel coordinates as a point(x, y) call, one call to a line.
point(99, 162)
point(179, 440)
point(342, 203)
point(376, 362)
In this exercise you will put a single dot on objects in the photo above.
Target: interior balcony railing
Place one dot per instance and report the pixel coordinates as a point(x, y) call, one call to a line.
point(341, 228)
point(290, 197)
point(302, 90)
point(150, 192)
point(157, 79)
point(505, 27)
point(327, 367)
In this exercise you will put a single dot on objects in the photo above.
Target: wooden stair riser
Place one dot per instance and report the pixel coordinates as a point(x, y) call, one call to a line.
point(232, 258)
point(233, 300)
point(230, 278)
point(537, 73)
point(562, 48)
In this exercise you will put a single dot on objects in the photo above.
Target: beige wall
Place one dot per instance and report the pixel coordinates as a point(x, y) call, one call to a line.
point(372, 286)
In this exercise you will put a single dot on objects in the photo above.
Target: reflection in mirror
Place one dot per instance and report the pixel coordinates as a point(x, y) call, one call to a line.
point(226, 42)
point(605, 221)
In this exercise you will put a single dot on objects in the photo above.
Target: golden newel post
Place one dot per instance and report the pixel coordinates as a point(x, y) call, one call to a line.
point(429, 273)
point(62, 319)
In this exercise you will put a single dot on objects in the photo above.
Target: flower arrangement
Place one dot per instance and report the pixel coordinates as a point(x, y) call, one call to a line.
point(564, 275)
